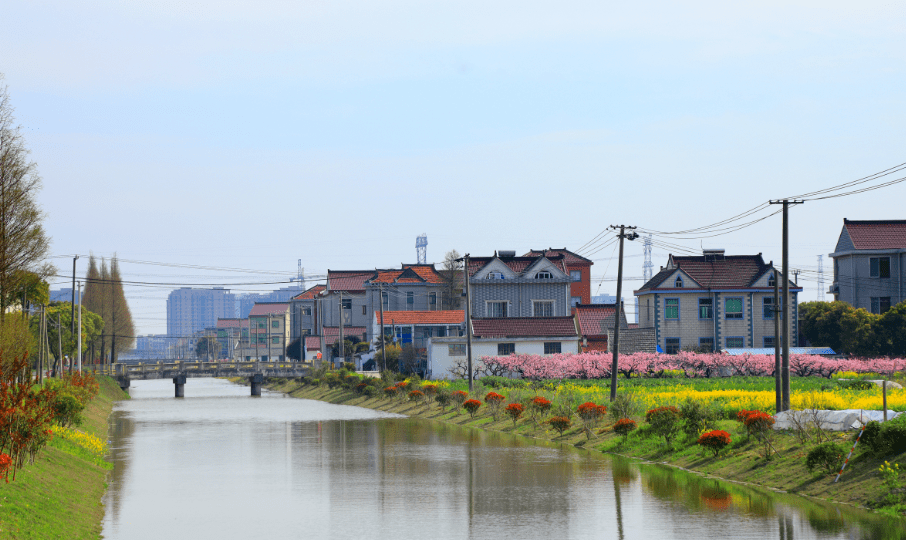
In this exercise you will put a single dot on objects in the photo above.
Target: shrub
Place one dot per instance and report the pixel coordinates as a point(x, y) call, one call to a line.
point(494, 402)
point(626, 405)
point(827, 455)
point(370, 391)
point(538, 407)
point(514, 410)
point(888, 438)
point(856, 385)
point(624, 427)
point(590, 413)
point(472, 406)
point(67, 410)
point(715, 440)
point(416, 396)
point(697, 417)
point(359, 388)
point(762, 426)
point(459, 397)
point(390, 391)
point(442, 398)
point(560, 423)
point(665, 421)
point(315, 382)
point(430, 390)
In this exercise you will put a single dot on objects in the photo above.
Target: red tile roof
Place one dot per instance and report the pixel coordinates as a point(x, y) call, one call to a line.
point(310, 293)
point(332, 333)
point(516, 264)
point(449, 317)
point(568, 256)
point(888, 234)
point(268, 308)
point(595, 319)
point(721, 272)
point(313, 343)
point(524, 327)
point(409, 273)
point(348, 280)
point(232, 323)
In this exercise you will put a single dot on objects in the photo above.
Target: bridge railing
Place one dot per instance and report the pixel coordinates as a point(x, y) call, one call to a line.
point(124, 370)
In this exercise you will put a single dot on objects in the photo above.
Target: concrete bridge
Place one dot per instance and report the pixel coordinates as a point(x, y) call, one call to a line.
point(124, 373)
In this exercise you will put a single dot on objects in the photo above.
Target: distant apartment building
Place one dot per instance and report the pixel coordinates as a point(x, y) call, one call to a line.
point(190, 310)
point(247, 301)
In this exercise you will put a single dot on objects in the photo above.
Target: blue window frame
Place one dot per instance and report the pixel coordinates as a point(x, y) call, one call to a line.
point(671, 345)
point(678, 283)
point(706, 343)
point(769, 341)
point(733, 308)
point(768, 308)
point(735, 342)
point(671, 308)
point(706, 308)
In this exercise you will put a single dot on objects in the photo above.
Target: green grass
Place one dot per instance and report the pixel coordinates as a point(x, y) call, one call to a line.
point(59, 496)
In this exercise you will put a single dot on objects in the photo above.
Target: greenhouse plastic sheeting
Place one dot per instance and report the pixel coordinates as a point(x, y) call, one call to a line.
point(832, 420)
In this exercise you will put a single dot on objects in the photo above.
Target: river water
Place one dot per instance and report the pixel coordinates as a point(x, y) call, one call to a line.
point(220, 464)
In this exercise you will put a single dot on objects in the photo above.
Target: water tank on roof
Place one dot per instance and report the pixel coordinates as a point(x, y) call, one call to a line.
point(506, 253)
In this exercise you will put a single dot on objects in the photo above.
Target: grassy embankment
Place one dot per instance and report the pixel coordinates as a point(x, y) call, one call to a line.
point(742, 461)
point(59, 496)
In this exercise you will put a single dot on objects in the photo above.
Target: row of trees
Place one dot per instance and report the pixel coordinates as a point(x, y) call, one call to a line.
point(853, 331)
point(104, 295)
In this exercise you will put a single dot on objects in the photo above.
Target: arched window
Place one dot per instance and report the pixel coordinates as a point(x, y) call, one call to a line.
point(544, 275)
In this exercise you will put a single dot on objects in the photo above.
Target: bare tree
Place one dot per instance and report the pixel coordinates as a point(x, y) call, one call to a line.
point(451, 271)
point(23, 243)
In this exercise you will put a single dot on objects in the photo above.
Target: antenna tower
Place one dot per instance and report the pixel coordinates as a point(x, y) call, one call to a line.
point(647, 267)
point(300, 275)
point(421, 248)
point(820, 277)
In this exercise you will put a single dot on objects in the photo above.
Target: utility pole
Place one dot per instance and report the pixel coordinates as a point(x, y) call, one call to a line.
point(59, 373)
point(270, 357)
point(80, 329)
point(617, 310)
point(778, 383)
point(383, 341)
point(465, 280)
point(342, 348)
point(72, 318)
point(785, 304)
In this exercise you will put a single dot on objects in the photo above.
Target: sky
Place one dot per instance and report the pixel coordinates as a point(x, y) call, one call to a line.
point(210, 136)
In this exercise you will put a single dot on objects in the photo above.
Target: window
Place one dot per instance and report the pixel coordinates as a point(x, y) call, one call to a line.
point(275, 324)
point(671, 308)
point(706, 309)
point(347, 303)
point(551, 347)
point(544, 275)
point(441, 331)
point(410, 300)
point(733, 308)
point(457, 349)
point(575, 275)
point(735, 342)
point(771, 280)
point(678, 283)
point(306, 310)
point(496, 309)
point(275, 340)
point(575, 301)
point(385, 299)
point(364, 310)
point(306, 331)
point(672, 345)
point(504, 349)
point(769, 342)
point(880, 304)
point(768, 308)
point(495, 275)
point(432, 299)
point(542, 308)
point(260, 323)
point(879, 267)
point(706, 343)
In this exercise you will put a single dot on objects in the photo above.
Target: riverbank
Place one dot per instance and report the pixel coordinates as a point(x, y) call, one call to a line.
point(742, 461)
point(59, 496)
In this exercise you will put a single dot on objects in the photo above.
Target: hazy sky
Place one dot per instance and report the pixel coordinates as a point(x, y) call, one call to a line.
point(240, 134)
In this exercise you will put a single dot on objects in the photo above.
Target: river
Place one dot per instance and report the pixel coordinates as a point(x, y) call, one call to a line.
point(220, 464)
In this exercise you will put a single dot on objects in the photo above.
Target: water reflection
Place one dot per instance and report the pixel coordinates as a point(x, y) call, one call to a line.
point(219, 464)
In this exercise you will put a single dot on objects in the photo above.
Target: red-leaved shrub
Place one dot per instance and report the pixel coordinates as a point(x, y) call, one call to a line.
point(715, 440)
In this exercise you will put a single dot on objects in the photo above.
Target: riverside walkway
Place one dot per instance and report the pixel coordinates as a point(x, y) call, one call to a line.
point(179, 371)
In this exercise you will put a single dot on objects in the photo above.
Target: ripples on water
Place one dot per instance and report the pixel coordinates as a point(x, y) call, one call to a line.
point(221, 464)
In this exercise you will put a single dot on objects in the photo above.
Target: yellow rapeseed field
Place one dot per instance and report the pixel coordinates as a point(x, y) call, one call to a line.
point(91, 443)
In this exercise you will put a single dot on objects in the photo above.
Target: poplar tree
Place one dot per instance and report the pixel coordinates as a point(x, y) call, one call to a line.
point(104, 295)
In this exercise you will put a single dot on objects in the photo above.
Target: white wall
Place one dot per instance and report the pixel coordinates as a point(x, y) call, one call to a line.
point(440, 362)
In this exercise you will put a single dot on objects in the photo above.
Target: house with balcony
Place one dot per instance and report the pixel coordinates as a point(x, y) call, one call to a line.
point(712, 302)
point(417, 327)
point(509, 286)
point(579, 269)
point(869, 264)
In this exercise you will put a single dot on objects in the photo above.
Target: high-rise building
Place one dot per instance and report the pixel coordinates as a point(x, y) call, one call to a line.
point(190, 310)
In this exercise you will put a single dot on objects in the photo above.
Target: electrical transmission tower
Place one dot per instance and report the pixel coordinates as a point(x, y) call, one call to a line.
point(820, 277)
point(421, 248)
point(300, 275)
point(647, 267)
